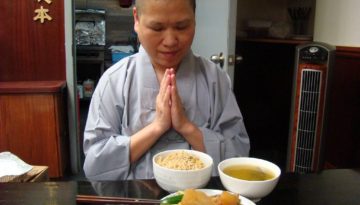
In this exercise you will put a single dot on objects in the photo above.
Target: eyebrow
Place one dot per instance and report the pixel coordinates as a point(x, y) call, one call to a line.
point(157, 23)
point(185, 21)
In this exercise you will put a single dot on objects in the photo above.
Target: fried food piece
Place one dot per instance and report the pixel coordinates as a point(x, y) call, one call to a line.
point(227, 198)
point(194, 197)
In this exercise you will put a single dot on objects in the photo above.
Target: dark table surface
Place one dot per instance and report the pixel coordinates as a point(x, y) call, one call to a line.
point(329, 187)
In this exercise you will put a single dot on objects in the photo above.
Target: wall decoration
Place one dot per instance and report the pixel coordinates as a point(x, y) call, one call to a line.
point(42, 13)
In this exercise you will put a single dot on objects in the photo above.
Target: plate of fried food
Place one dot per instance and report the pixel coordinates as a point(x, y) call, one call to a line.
point(205, 196)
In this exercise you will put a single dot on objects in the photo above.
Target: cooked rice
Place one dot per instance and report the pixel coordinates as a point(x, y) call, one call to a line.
point(180, 161)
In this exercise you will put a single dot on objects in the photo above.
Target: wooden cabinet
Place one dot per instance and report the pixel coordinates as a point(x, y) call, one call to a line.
point(33, 123)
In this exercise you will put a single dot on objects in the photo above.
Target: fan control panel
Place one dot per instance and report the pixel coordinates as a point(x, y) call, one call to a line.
point(313, 53)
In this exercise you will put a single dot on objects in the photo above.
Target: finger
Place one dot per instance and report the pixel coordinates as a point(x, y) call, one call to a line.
point(171, 73)
point(173, 80)
point(177, 114)
point(168, 95)
point(171, 70)
point(164, 84)
point(174, 93)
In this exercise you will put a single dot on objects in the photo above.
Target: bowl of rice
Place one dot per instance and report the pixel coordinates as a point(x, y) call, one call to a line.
point(176, 170)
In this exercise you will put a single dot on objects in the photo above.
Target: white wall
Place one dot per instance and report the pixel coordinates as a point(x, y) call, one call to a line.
point(271, 10)
point(337, 22)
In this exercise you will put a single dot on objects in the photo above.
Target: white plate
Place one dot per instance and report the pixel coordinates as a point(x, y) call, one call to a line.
point(212, 192)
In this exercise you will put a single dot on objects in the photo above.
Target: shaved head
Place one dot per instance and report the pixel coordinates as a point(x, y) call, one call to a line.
point(165, 29)
point(140, 3)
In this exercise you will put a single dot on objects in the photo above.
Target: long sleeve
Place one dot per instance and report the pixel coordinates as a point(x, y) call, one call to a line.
point(224, 134)
point(105, 147)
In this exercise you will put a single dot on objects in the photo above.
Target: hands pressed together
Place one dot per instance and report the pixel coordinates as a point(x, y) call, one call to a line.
point(169, 114)
point(169, 109)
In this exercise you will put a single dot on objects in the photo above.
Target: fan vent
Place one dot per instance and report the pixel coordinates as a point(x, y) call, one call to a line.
point(307, 122)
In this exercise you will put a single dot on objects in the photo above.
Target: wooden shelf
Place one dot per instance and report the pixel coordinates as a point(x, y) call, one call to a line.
point(275, 40)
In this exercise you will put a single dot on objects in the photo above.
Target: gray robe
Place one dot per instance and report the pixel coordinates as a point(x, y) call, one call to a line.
point(124, 102)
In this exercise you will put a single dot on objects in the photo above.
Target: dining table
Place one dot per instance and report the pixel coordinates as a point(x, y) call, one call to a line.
point(326, 187)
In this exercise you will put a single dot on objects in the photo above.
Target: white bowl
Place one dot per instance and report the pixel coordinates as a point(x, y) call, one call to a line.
point(173, 180)
point(254, 190)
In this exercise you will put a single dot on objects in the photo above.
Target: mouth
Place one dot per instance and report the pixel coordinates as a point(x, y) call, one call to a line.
point(168, 54)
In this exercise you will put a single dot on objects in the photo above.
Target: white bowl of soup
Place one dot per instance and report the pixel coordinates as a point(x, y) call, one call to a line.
point(252, 178)
point(180, 169)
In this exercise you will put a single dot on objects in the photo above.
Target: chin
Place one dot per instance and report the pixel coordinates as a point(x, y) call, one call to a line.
point(171, 62)
point(169, 65)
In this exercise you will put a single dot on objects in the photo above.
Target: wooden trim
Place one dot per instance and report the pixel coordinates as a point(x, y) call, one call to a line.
point(31, 86)
point(348, 49)
point(344, 51)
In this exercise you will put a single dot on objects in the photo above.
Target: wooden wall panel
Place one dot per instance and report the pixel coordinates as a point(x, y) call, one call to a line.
point(343, 134)
point(31, 50)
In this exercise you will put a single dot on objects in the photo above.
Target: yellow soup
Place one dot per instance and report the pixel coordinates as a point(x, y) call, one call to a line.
point(248, 172)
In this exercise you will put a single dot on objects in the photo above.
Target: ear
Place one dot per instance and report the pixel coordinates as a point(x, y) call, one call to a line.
point(136, 19)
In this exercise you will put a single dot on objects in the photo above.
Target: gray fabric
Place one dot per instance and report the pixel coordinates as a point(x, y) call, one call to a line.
point(124, 102)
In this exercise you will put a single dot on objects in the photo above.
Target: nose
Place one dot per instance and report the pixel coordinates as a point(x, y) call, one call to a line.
point(170, 39)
